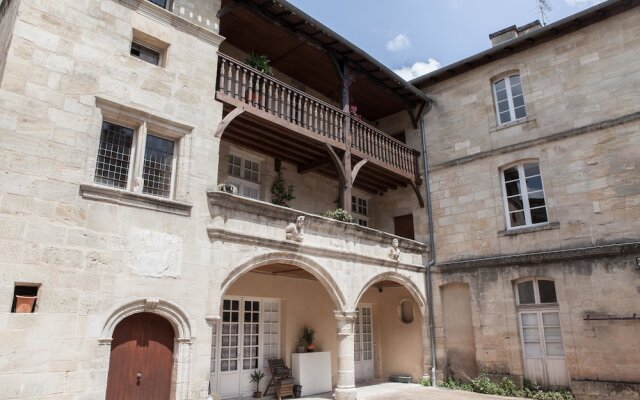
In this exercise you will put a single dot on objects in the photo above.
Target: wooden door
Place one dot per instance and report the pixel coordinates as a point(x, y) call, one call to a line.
point(141, 359)
point(403, 226)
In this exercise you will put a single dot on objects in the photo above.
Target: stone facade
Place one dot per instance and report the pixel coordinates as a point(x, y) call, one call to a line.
point(585, 140)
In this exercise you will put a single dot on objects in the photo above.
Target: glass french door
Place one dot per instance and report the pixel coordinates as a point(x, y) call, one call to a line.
point(249, 336)
point(363, 343)
point(543, 351)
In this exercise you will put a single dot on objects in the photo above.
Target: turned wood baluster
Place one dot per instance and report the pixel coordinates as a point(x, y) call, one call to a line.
point(269, 101)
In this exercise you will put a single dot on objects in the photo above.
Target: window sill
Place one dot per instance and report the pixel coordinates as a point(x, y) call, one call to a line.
point(127, 198)
point(520, 121)
point(529, 229)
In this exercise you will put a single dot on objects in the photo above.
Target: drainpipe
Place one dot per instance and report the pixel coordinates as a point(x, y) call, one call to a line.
point(432, 247)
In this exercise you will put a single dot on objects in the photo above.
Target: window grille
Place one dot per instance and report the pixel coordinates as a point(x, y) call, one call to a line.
point(114, 155)
point(158, 166)
point(144, 53)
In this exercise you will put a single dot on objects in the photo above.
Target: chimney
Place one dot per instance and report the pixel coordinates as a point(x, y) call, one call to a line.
point(513, 32)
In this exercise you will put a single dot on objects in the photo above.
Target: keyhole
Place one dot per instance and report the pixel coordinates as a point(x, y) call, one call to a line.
point(138, 377)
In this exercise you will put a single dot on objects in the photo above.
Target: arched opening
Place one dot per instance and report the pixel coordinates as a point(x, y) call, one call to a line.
point(141, 361)
point(265, 305)
point(389, 330)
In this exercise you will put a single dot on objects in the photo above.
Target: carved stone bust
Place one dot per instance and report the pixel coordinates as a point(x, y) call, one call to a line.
point(295, 230)
point(394, 250)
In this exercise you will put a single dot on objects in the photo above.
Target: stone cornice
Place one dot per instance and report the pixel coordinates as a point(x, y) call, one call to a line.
point(263, 209)
point(285, 245)
point(542, 257)
point(625, 119)
point(166, 17)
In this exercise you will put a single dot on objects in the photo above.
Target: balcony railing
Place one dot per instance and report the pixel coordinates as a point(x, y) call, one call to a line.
point(241, 84)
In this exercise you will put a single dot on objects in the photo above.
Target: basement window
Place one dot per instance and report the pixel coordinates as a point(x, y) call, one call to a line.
point(24, 298)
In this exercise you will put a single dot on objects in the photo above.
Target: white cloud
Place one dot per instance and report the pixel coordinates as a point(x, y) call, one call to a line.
point(398, 43)
point(418, 68)
point(574, 3)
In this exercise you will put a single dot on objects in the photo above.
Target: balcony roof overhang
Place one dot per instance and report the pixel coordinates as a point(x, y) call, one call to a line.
point(308, 51)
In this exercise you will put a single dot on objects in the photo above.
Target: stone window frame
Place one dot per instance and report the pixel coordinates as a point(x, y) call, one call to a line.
point(152, 43)
point(537, 303)
point(526, 208)
point(143, 123)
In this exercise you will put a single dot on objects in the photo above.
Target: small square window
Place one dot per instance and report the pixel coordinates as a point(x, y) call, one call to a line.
point(24, 299)
point(145, 53)
point(161, 3)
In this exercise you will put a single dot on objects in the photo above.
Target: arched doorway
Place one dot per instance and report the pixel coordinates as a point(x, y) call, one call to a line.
point(141, 361)
point(389, 329)
point(264, 306)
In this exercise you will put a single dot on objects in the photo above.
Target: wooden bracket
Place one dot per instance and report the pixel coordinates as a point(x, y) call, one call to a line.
point(336, 161)
point(415, 118)
point(227, 120)
point(416, 189)
point(356, 169)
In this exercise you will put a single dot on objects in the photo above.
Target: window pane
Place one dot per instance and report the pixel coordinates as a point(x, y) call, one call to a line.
point(526, 296)
point(161, 3)
point(547, 291)
point(511, 174)
point(501, 95)
point(552, 335)
point(555, 349)
point(514, 79)
point(531, 169)
point(551, 318)
point(515, 203)
point(516, 90)
point(158, 166)
point(503, 106)
point(534, 184)
point(500, 85)
point(536, 199)
point(533, 349)
point(517, 218)
point(114, 155)
point(518, 101)
point(520, 112)
point(144, 53)
point(505, 117)
point(531, 335)
point(513, 188)
point(539, 215)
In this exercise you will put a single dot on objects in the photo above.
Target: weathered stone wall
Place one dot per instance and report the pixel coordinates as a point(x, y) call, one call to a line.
point(595, 350)
point(89, 256)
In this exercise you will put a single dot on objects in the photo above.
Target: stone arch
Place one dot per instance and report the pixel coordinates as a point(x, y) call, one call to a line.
point(170, 311)
point(309, 265)
point(398, 278)
point(183, 339)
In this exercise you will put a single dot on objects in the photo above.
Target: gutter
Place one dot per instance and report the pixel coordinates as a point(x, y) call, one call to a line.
point(432, 249)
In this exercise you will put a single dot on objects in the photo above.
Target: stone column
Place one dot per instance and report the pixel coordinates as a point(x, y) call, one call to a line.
point(346, 389)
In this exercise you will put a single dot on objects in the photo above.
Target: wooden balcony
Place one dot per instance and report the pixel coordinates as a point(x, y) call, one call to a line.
point(282, 121)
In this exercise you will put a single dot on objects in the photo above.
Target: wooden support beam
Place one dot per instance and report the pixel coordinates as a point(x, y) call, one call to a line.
point(337, 162)
point(415, 117)
point(227, 120)
point(356, 169)
point(416, 189)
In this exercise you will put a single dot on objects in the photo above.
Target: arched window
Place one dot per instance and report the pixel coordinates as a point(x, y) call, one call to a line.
point(524, 200)
point(536, 291)
point(509, 99)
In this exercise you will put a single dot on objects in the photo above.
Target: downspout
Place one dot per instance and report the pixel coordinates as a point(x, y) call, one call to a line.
point(432, 247)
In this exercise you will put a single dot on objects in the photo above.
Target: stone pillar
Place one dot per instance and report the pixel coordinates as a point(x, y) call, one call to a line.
point(346, 389)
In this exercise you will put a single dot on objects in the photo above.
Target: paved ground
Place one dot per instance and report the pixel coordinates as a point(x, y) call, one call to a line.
point(403, 391)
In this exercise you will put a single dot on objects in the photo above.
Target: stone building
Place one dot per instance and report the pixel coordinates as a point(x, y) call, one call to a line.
point(125, 124)
point(535, 182)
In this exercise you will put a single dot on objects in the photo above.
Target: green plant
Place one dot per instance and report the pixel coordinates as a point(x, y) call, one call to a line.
point(506, 387)
point(308, 335)
point(425, 381)
point(281, 194)
point(260, 62)
point(256, 376)
point(338, 214)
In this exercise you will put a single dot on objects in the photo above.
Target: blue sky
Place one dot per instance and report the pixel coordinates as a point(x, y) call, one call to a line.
point(414, 37)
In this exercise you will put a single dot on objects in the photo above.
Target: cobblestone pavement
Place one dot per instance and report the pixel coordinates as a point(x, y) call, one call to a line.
point(402, 391)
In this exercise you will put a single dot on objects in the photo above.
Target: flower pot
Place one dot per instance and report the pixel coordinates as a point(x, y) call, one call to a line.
point(24, 304)
point(297, 391)
point(257, 395)
point(311, 348)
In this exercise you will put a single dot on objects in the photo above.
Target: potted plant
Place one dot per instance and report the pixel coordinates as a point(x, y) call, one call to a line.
point(338, 214)
point(281, 194)
point(256, 377)
point(302, 344)
point(261, 63)
point(308, 335)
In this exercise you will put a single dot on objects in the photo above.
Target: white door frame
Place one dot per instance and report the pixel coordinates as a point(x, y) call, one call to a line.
point(364, 369)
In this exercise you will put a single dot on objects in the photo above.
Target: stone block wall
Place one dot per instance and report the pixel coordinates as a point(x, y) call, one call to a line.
point(91, 256)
